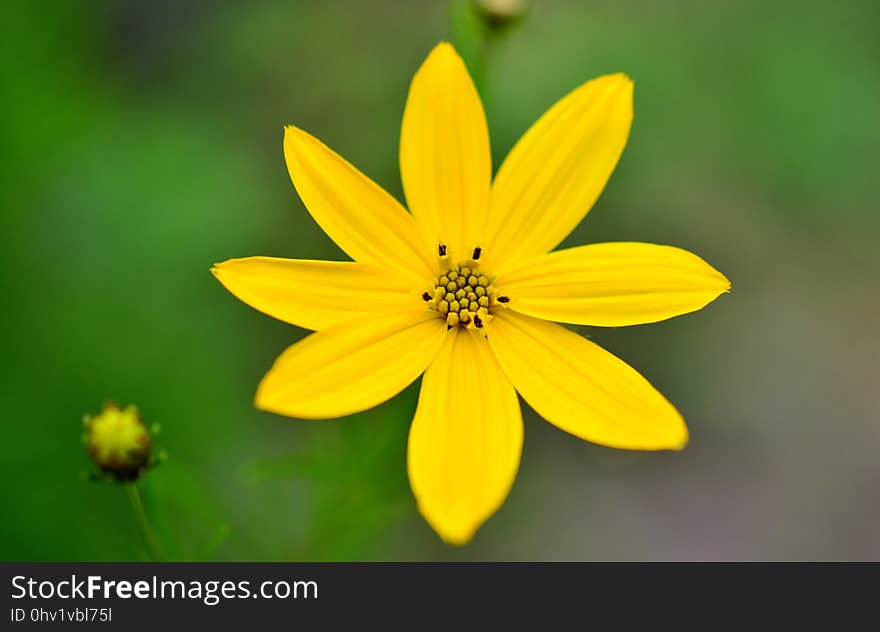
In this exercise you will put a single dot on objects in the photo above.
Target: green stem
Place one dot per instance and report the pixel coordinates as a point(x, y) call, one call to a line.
point(154, 549)
point(474, 39)
point(481, 66)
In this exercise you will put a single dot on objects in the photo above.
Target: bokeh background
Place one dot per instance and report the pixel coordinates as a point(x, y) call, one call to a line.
point(141, 142)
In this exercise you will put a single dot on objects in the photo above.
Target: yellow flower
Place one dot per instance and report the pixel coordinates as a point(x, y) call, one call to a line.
point(464, 290)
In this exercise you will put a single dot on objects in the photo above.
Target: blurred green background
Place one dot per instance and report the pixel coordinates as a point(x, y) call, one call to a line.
point(141, 142)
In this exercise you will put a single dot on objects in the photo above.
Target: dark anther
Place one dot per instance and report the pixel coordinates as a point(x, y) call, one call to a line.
point(478, 321)
point(503, 299)
point(442, 250)
point(426, 297)
point(477, 252)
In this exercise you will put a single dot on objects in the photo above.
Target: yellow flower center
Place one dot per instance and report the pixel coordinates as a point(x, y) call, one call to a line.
point(463, 294)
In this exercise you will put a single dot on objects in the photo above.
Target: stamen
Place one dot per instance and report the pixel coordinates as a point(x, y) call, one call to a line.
point(503, 299)
point(477, 252)
point(442, 249)
point(426, 297)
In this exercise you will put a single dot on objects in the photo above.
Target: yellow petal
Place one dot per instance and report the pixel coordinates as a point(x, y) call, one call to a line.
point(316, 294)
point(556, 171)
point(352, 366)
point(355, 212)
point(581, 388)
point(445, 159)
point(612, 284)
point(466, 439)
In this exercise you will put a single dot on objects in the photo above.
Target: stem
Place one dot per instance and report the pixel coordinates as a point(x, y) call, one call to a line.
point(474, 38)
point(481, 66)
point(154, 550)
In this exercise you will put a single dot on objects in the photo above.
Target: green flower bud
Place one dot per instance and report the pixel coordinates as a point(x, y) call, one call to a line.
point(500, 14)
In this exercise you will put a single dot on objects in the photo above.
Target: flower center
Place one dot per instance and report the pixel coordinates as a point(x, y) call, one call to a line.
point(463, 294)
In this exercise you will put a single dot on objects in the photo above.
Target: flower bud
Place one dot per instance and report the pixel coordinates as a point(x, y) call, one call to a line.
point(118, 442)
point(499, 14)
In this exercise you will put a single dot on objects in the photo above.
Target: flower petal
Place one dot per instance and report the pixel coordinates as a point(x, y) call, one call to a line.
point(315, 294)
point(466, 439)
point(355, 212)
point(556, 171)
point(581, 388)
point(612, 284)
point(352, 366)
point(445, 160)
